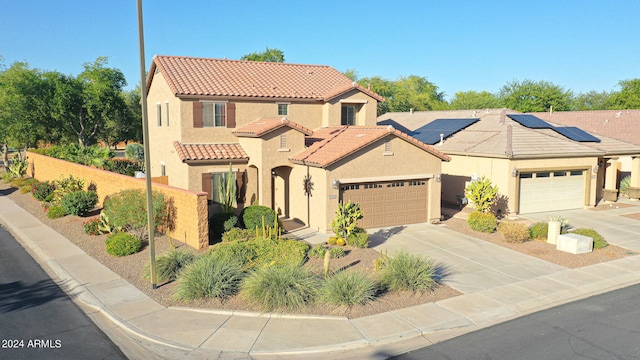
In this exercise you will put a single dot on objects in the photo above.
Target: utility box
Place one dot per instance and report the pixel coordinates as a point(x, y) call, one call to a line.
point(574, 243)
point(553, 231)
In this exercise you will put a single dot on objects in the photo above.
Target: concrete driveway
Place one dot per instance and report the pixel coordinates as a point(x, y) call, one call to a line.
point(616, 228)
point(466, 264)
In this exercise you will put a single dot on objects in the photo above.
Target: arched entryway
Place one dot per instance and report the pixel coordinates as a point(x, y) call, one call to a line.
point(280, 185)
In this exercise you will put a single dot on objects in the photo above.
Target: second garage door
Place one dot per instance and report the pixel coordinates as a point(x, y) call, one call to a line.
point(551, 190)
point(388, 203)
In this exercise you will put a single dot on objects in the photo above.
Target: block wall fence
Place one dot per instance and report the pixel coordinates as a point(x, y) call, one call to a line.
point(191, 222)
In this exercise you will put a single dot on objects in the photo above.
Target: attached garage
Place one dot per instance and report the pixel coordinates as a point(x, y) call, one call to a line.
point(389, 203)
point(551, 190)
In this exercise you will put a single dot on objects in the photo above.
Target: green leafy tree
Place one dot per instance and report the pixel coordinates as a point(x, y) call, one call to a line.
point(268, 55)
point(22, 106)
point(464, 100)
point(351, 74)
point(411, 92)
point(532, 96)
point(102, 100)
point(482, 193)
point(593, 100)
point(629, 95)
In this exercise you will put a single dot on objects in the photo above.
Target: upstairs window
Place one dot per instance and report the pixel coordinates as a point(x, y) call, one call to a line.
point(159, 114)
point(167, 113)
point(214, 114)
point(283, 109)
point(348, 115)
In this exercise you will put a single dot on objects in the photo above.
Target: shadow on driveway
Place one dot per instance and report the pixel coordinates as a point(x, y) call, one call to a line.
point(381, 236)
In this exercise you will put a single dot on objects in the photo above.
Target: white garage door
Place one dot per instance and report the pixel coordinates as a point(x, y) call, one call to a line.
point(551, 190)
point(389, 203)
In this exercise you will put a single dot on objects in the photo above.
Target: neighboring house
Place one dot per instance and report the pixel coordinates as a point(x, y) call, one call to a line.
point(537, 165)
point(623, 125)
point(299, 138)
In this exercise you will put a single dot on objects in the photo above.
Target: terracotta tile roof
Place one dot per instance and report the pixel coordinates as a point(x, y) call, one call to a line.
point(621, 125)
point(191, 152)
point(328, 145)
point(489, 137)
point(266, 125)
point(189, 76)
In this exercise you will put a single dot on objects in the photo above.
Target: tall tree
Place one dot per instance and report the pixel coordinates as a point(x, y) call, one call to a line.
point(417, 93)
point(269, 55)
point(531, 96)
point(629, 95)
point(102, 100)
point(22, 106)
point(593, 100)
point(351, 74)
point(464, 100)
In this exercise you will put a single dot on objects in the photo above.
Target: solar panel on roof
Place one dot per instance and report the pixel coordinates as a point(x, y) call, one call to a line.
point(530, 121)
point(576, 134)
point(430, 133)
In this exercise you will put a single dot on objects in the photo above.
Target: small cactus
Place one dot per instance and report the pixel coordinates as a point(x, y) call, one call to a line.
point(327, 261)
point(332, 240)
point(341, 242)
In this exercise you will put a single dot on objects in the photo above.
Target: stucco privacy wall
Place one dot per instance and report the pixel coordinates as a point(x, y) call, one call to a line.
point(192, 226)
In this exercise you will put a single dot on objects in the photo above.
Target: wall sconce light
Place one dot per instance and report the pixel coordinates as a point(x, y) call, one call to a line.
point(514, 173)
point(335, 184)
point(439, 178)
point(596, 167)
point(273, 173)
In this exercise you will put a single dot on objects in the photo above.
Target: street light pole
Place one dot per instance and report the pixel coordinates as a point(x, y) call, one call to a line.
point(147, 158)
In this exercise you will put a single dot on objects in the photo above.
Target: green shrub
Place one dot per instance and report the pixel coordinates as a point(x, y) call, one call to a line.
point(336, 252)
point(317, 252)
point(25, 189)
point(93, 226)
point(43, 191)
point(481, 193)
point(169, 264)
point(56, 212)
point(208, 277)
point(252, 216)
point(18, 182)
point(598, 240)
point(280, 287)
point(18, 168)
point(483, 222)
point(347, 216)
point(122, 244)
point(513, 232)
point(134, 152)
point(539, 231)
point(358, 238)
point(127, 210)
point(66, 185)
point(348, 288)
point(237, 251)
point(408, 272)
point(237, 234)
point(122, 166)
point(79, 202)
point(625, 183)
point(217, 221)
point(279, 251)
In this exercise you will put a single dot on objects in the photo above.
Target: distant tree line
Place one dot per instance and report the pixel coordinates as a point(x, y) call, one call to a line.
point(39, 106)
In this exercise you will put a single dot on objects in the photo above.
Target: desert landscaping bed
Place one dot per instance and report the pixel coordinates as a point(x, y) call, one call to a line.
point(131, 267)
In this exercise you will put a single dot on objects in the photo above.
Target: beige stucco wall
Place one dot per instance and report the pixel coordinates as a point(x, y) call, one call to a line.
point(462, 168)
point(191, 207)
point(367, 113)
point(370, 163)
point(161, 138)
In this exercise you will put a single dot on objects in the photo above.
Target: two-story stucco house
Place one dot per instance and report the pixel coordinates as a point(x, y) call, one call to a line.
point(300, 139)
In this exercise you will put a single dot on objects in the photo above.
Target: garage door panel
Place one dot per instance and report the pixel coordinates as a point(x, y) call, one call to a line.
point(539, 194)
point(389, 204)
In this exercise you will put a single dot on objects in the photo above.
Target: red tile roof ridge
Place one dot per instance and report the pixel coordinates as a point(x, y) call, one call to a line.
point(325, 151)
point(265, 125)
point(220, 151)
point(236, 60)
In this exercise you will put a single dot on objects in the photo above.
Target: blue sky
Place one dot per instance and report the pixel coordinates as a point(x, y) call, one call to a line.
point(477, 45)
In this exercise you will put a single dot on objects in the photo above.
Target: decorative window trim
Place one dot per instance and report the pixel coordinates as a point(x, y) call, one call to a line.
point(166, 103)
point(159, 114)
point(223, 117)
point(286, 104)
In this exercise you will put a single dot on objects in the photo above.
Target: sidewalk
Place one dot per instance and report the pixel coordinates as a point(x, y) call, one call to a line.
point(489, 298)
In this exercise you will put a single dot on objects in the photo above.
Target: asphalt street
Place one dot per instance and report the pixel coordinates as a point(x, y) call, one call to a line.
point(601, 327)
point(37, 319)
